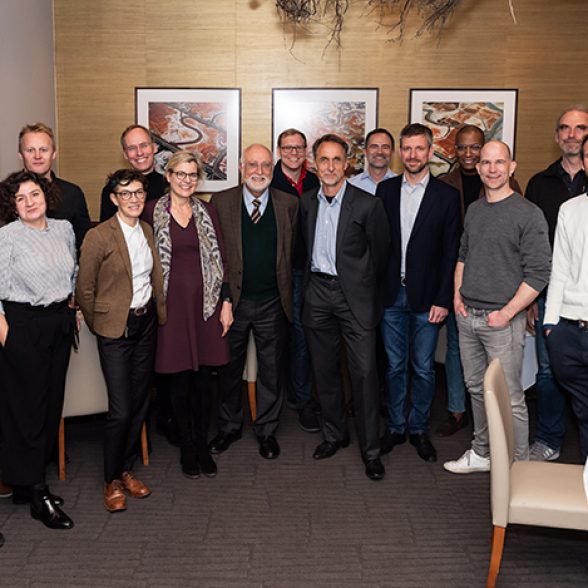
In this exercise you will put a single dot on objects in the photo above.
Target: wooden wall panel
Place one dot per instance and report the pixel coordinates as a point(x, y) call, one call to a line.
point(104, 49)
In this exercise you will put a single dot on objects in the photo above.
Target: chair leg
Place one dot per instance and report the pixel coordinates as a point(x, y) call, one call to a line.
point(144, 445)
point(252, 394)
point(61, 449)
point(496, 555)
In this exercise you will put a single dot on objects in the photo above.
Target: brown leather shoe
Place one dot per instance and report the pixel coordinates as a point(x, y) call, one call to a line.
point(114, 497)
point(134, 487)
point(454, 423)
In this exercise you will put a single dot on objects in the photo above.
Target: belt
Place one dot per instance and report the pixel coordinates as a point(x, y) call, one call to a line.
point(327, 277)
point(30, 308)
point(478, 311)
point(140, 310)
point(581, 324)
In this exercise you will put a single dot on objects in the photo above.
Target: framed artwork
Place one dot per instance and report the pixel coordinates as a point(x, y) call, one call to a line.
point(348, 112)
point(444, 111)
point(204, 120)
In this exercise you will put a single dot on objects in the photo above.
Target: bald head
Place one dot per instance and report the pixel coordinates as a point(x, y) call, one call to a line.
point(495, 168)
point(256, 168)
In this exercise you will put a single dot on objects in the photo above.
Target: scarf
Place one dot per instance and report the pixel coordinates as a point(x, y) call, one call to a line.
point(210, 257)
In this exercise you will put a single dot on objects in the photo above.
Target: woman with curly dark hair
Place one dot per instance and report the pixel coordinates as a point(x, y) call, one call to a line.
point(37, 279)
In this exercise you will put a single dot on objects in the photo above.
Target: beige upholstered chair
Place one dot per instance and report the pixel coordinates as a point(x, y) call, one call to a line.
point(85, 391)
point(545, 494)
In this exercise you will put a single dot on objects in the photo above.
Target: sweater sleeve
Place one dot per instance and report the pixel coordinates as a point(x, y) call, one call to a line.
point(535, 251)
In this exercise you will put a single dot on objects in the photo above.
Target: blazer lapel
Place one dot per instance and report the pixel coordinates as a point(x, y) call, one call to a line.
point(119, 239)
point(344, 215)
point(426, 207)
point(312, 215)
point(236, 212)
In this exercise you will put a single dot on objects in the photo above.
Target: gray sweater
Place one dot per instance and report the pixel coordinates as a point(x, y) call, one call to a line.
point(503, 244)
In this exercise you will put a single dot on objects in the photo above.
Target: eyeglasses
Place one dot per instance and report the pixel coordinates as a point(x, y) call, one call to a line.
point(127, 194)
point(134, 148)
point(474, 147)
point(292, 148)
point(254, 165)
point(181, 175)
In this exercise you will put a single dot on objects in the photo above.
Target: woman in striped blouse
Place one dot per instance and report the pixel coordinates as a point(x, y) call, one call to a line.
point(37, 279)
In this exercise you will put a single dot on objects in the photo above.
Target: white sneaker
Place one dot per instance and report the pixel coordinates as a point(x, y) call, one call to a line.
point(468, 463)
point(541, 452)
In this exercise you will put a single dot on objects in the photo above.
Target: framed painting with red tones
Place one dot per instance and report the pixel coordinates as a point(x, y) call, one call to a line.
point(350, 113)
point(445, 111)
point(203, 120)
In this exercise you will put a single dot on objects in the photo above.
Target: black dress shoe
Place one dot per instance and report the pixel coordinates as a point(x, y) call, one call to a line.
point(268, 447)
point(390, 440)
point(223, 441)
point(1, 540)
point(22, 495)
point(328, 449)
point(374, 469)
point(46, 511)
point(424, 447)
point(189, 462)
point(207, 464)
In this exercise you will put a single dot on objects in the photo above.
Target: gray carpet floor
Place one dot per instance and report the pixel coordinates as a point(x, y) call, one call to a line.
point(288, 523)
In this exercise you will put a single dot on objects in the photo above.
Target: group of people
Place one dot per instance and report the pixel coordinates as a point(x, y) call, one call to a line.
point(316, 266)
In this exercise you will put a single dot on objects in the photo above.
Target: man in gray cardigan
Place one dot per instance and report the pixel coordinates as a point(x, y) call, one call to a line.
point(503, 264)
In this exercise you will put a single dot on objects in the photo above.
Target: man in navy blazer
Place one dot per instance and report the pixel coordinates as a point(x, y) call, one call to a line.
point(425, 224)
point(347, 240)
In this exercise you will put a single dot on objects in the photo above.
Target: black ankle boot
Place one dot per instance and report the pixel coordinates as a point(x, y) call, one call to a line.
point(189, 461)
point(45, 510)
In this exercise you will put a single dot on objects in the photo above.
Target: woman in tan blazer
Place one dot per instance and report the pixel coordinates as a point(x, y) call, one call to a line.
point(120, 293)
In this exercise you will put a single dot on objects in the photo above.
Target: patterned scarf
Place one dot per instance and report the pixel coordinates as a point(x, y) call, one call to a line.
point(210, 257)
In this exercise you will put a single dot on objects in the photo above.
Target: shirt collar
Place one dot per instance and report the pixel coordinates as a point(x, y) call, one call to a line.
point(249, 198)
point(365, 175)
point(127, 229)
point(337, 199)
point(421, 183)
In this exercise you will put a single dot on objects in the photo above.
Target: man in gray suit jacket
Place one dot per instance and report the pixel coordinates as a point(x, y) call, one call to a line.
point(347, 240)
point(258, 225)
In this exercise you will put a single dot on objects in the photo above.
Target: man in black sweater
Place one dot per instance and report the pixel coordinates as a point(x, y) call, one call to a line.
point(549, 189)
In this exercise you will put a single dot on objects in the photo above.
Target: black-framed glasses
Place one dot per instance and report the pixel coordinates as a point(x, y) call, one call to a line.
point(292, 148)
point(182, 175)
point(128, 194)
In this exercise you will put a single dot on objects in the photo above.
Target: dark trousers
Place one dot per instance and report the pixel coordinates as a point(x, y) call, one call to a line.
point(127, 365)
point(190, 399)
point(327, 317)
point(33, 366)
point(269, 325)
point(568, 351)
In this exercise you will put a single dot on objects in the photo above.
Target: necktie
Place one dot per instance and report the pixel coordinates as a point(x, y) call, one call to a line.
point(256, 215)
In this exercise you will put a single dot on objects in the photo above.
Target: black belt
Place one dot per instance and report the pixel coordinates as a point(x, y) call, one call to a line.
point(140, 310)
point(327, 277)
point(30, 308)
point(581, 324)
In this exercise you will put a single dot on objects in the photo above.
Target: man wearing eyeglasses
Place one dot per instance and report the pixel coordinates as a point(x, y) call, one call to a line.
point(258, 225)
point(464, 177)
point(292, 176)
point(378, 152)
point(549, 189)
point(139, 150)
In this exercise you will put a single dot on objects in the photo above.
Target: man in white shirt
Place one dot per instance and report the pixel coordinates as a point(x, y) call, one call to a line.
point(378, 150)
point(566, 311)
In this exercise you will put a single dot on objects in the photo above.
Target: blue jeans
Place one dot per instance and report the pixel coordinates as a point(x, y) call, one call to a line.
point(551, 401)
point(409, 336)
point(299, 382)
point(453, 369)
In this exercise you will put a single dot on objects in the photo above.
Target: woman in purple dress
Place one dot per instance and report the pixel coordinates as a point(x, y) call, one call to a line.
point(199, 307)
